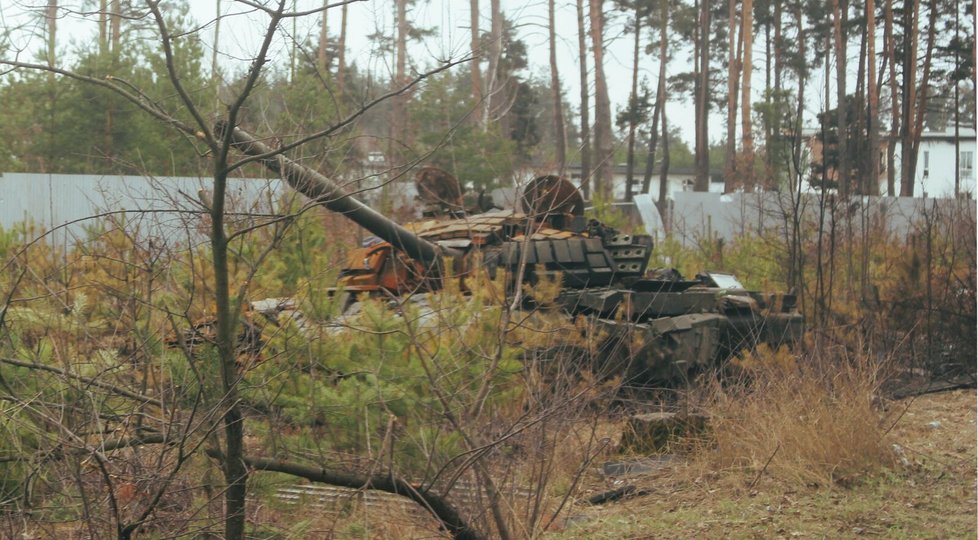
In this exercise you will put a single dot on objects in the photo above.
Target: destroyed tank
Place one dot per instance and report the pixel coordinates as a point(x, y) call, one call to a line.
point(680, 325)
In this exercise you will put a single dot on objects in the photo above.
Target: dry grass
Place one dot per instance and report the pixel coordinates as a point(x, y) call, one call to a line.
point(808, 420)
point(931, 493)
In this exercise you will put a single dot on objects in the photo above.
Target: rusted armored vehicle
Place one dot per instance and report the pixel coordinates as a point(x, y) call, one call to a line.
point(672, 326)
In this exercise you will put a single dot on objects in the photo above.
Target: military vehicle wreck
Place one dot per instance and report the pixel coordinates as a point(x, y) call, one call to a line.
point(681, 325)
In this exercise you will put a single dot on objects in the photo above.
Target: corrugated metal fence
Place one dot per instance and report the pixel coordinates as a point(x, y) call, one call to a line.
point(68, 205)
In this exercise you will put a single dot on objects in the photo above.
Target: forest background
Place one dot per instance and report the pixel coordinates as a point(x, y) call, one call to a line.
point(111, 432)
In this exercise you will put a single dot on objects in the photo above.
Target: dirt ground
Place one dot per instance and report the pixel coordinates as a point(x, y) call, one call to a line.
point(929, 493)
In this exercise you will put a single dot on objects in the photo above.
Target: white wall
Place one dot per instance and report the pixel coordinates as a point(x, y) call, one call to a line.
point(936, 164)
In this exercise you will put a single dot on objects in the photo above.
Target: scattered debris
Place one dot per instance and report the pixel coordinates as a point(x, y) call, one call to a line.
point(617, 494)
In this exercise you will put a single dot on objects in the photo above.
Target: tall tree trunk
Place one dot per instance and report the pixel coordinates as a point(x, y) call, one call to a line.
point(779, 46)
point(660, 108)
point(52, 22)
point(341, 52)
point(802, 73)
point(767, 49)
point(402, 30)
point(603, 143)
point(633, 106)
point(872, 92)
point(653, 143)
point(235, 472)
point(323, 41)
point(585, 107)
point(747, 133)
point(842, 171)
point(215, 74)
point(494, 85)
point(889, 44)
point(733, 74)
point(103, 27)
point(293, 55)
point(398, 125)
point(475, 45)
point(702, 158)
point(560, 134)
point(921, 108)
point(911, 14)
point(859, 109)
point(664, 171)
point(116, 22)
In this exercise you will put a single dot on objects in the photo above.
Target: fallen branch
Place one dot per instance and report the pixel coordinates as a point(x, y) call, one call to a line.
point(761, 472)
point(932, 389)
point(435, 504)
point(625, 492)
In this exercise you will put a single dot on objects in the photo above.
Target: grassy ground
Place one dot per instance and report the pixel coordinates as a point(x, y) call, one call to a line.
point(930, 492)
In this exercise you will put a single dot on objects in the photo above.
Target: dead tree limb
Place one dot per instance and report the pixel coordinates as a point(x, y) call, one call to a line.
point(435, 504)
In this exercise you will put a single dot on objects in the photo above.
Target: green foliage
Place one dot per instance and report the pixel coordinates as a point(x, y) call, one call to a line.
point(406, 365)
point(452, 140)
point(604, 211)
point(776, 115)
point(59, 124)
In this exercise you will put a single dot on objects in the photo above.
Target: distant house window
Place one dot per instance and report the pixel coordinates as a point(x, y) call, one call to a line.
point(926, 164)
point(967, 162)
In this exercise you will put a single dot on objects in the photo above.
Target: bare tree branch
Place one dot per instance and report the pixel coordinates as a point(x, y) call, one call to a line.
point(437, 505)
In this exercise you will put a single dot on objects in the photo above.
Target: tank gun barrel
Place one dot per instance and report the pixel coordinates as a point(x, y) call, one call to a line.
point(324, 191)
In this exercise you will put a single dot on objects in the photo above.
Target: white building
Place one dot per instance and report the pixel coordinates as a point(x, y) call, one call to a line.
point(936, 164)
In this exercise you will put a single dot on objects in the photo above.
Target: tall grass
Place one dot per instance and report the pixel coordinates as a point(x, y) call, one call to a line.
point(807, 419)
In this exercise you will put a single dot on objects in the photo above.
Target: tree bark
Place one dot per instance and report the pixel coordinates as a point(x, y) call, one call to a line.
point(733, 74)
point(658, 111)
point(51, 16)
point(633, 107)
point(889, 43)
point(341, 52)
point(802, 73)
point(235, 472)
point(398, 109)
point(747, 134)
point(702, 158)
point(475, 46)
point(603, 143)
point(872, 92)
point(323, 40)
point(215, 82)
point(585, 107)
point(493, 86)
point(779, 46)
point(116, 23)
point(664, 170)
point(921, 108)
point(911, 14)
point(103, 27)
point(560, 134)
point(842, 171)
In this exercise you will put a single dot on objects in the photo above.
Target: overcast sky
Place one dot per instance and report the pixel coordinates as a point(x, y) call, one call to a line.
point(241, 33)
